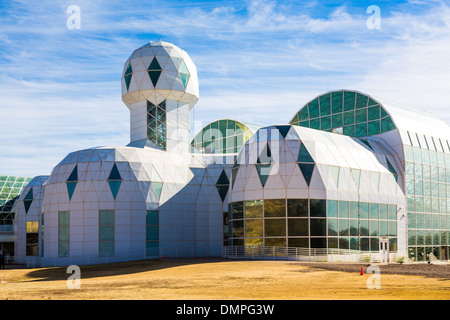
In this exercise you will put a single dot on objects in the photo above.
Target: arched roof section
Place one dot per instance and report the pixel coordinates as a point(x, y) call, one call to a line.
point(347, 112)
point(224, 136)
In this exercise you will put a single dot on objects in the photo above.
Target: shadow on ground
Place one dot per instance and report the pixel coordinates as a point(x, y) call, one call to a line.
point(116, 269)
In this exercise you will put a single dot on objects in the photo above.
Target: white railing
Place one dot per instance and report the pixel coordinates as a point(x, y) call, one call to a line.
point(304, 254)
point(228, 252)
point(115, 257)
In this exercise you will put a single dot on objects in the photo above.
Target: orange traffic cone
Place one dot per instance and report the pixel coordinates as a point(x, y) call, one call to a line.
point(362, 271)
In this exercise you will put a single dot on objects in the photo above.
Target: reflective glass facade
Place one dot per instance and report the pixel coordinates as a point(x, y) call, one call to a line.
point(313, 223)
point(223, 136)
point(428, 195)
point(10, 189)
point(345, 112)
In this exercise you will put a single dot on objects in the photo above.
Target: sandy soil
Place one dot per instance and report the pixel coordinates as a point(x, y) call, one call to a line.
point(218, 279)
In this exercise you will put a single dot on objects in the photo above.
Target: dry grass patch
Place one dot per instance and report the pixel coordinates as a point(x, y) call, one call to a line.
point(214, 279)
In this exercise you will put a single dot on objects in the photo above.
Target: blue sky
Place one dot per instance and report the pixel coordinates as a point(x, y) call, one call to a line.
point(258, 61)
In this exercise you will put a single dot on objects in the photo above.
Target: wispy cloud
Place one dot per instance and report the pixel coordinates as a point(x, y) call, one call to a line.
point(258, 61)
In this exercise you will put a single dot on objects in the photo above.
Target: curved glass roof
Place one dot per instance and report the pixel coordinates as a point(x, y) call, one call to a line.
point(224, 136)
point(347, 112)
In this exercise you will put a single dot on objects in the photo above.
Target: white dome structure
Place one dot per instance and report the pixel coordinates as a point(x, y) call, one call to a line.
point(160, 87)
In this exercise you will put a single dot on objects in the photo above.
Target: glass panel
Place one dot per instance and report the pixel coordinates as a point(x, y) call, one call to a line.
point(332, 227)
point(63, 234)
point(361, 130)
point(349, 118)
point(275, 242)
point(337, 102)
point(361, 115)
point(298, 242)
point(253, 209)
point(361, 101)
point(349, 100)
point(106, 233)
point(317, 208)
point(332, 208)
point(275, 227)
point(337, 120)
point(318, 227)
point(325, 105)
point(353, 209)
point(364, 227)
point(344, 227)
point(364, 210)
point(373, 113)
point(374, 127)
point(152, 233)
point(275, 208)
point(106, 217)
point(354, 227)
point(343, 209)
point(63, 218)
point(237, 210)
point(106, 247)
point(318, 242)
point(374, 229)
point(297, 207)
point(313, 108)
point(238, 228)
point(253, 228)
point(374, 211)
point(297, 227)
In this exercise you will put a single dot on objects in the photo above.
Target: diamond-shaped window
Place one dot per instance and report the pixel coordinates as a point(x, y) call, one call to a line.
point(128, 74)
point(305, 163)
point(72, 182)
point(264, 164)
point(222, 185)
point(28, 200)
point(114, 180)
point(184, 74)
point(154, 71)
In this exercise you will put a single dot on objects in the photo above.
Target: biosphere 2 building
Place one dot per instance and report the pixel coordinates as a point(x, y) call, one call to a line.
point(349, 173)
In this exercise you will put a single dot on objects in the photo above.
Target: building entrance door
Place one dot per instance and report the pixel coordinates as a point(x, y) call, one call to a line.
point(384, 249)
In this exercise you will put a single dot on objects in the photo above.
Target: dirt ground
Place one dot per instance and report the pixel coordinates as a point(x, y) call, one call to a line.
point(422, 269)
point(220, 279)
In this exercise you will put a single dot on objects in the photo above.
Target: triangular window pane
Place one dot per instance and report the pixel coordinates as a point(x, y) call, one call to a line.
point(74, 175)
point(304, 156)
point(71, 188)
point(307, 171)
point(114, 175)
point(154, 65)
point(184, 78)
point(29, 195)
point(183, 68)
point(283, 130)
point(234, 172)
point(223, 190)
point(154, 76)
point(157, 186)
point(128, 75)
point(263, 172)
point(114, 186)
point(223, 179)
point(27, 204)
